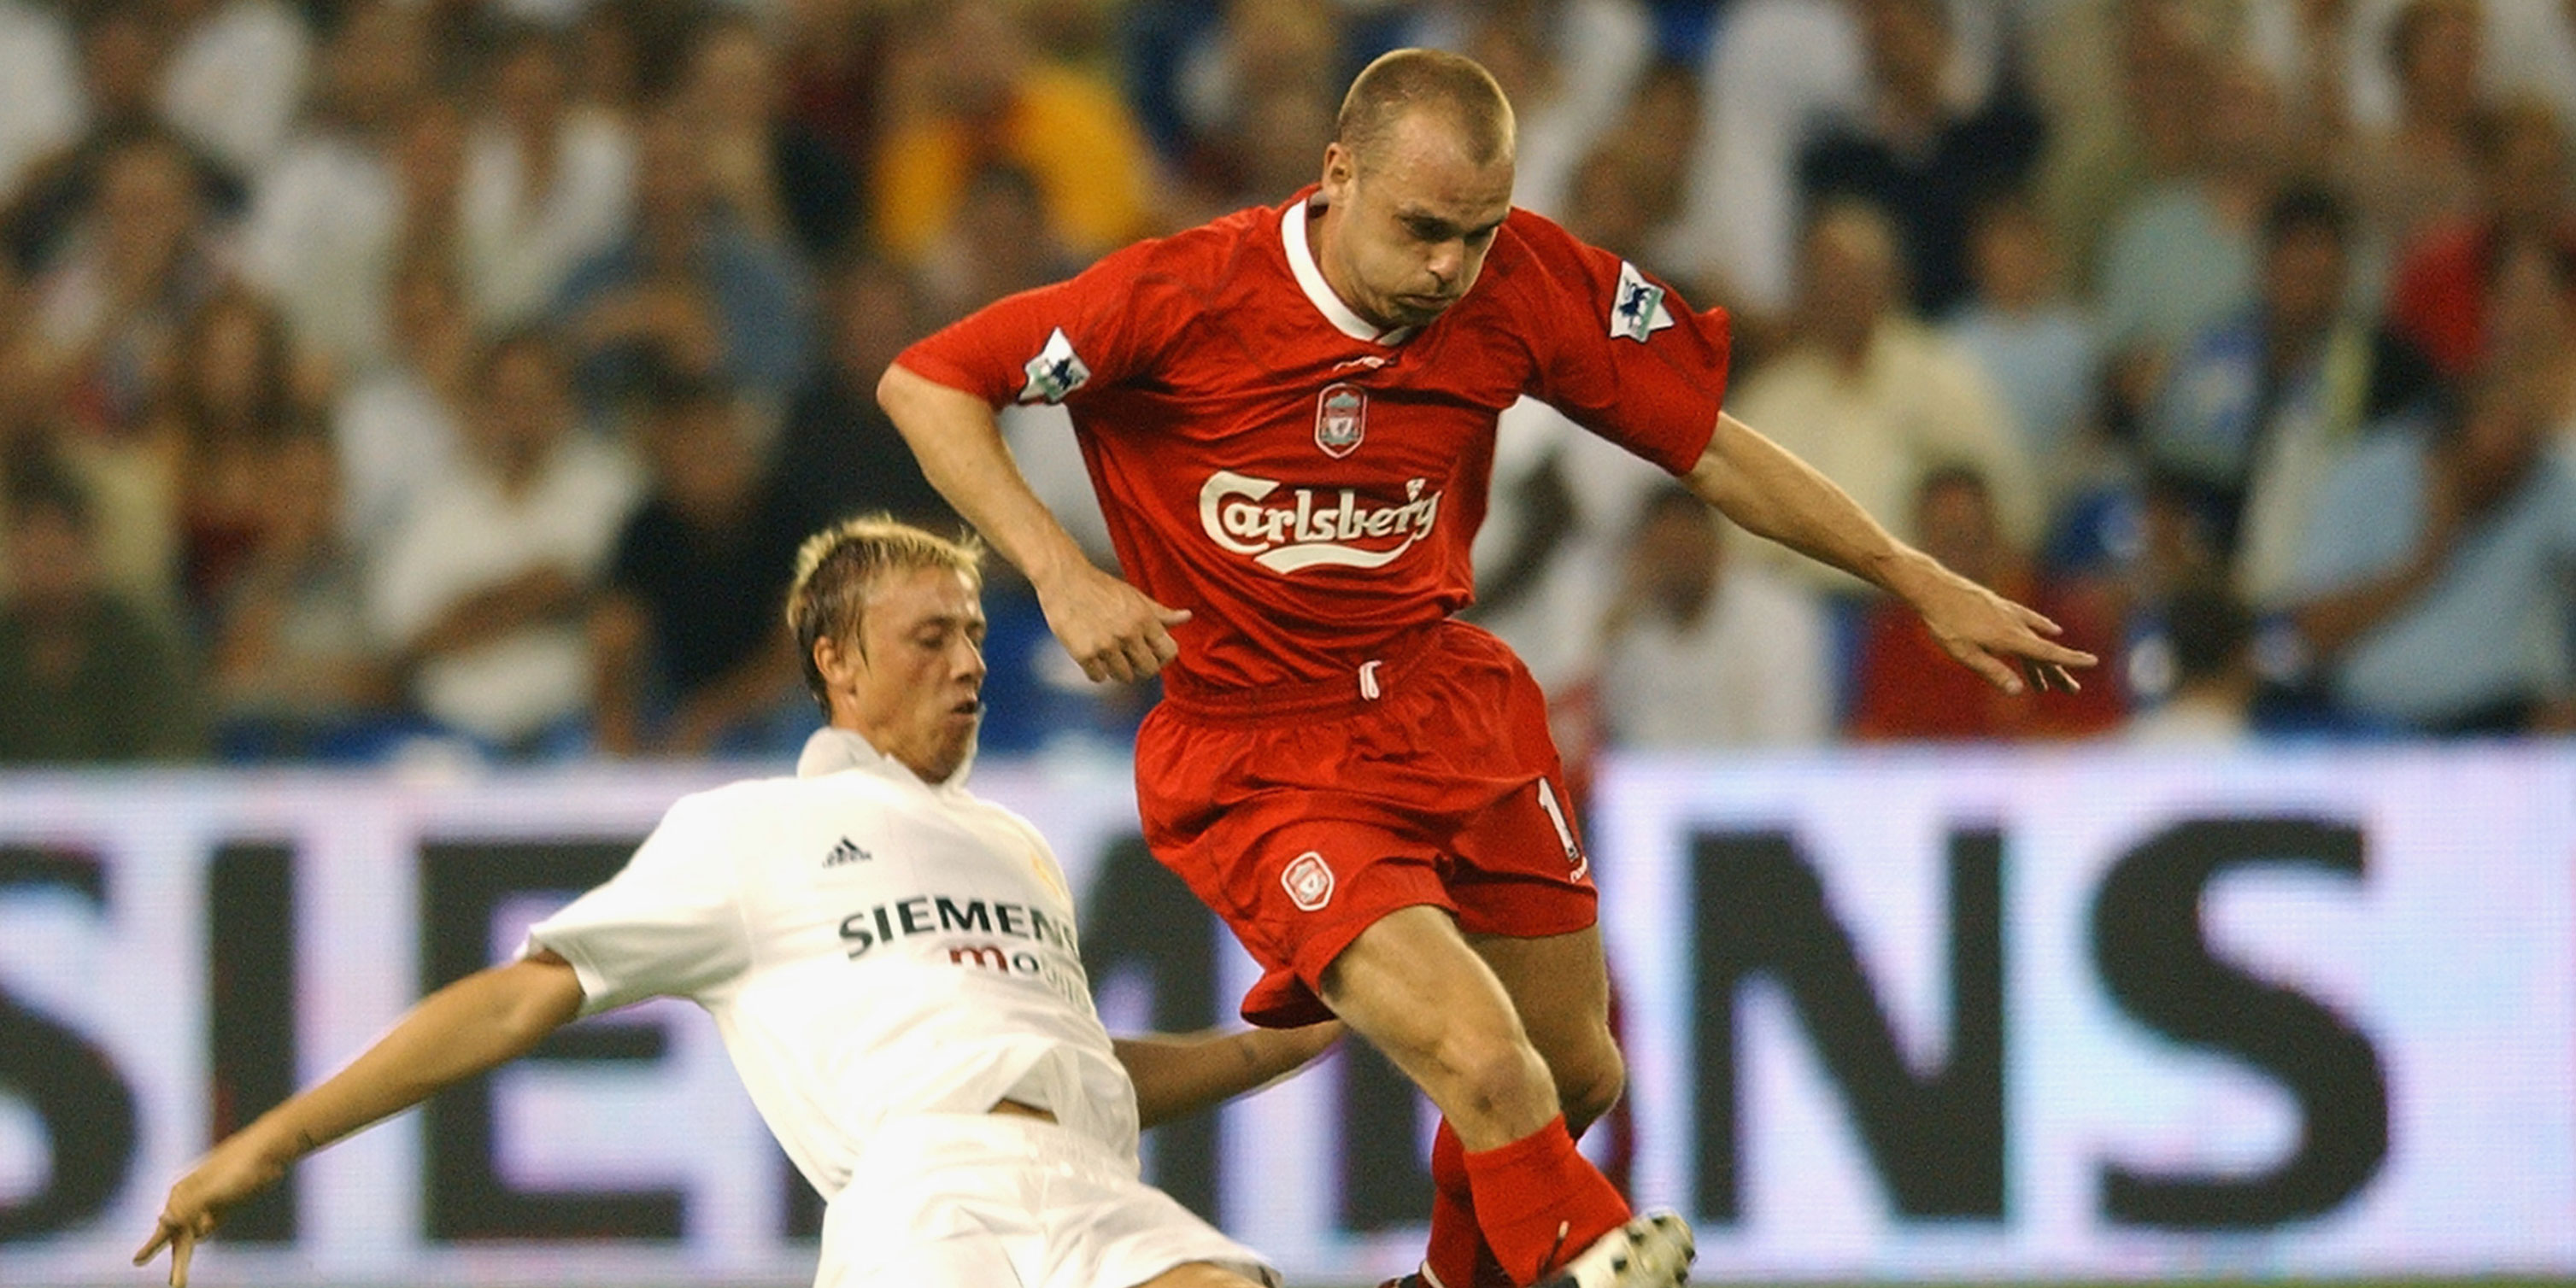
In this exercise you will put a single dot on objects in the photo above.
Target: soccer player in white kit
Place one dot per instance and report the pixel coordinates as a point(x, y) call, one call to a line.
point(892, 964)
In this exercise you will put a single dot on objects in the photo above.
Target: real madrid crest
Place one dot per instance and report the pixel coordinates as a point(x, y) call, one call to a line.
point(1341, 417)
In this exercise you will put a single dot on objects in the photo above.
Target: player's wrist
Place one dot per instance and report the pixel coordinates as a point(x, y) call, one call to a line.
point(1907, 573)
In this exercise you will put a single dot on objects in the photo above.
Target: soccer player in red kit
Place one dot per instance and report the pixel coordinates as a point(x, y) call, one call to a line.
point(1288, 415)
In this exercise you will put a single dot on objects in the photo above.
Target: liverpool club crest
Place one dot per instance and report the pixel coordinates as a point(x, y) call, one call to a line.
point(1341, 417)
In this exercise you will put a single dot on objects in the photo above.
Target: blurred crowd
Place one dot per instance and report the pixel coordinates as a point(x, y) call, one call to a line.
point(396, 377)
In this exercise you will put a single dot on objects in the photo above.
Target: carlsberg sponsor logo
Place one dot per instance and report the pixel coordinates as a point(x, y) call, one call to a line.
point(1307, 527)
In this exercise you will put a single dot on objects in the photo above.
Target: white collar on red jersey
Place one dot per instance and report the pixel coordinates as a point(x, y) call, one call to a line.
point(1310, 279)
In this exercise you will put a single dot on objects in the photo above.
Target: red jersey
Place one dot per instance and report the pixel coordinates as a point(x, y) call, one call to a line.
point(1304, 484)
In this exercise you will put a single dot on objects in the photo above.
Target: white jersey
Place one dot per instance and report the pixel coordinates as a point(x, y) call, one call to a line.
point(870, 947)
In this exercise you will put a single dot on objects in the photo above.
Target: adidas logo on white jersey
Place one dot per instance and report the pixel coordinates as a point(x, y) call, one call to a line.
point(847, 851)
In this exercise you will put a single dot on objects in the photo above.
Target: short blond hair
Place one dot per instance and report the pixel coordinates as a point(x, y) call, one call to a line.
point(1453, 86)
point(838, 566)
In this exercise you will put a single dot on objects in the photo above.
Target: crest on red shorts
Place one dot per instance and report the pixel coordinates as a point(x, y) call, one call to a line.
point(1341, 417)
point(1309, 881)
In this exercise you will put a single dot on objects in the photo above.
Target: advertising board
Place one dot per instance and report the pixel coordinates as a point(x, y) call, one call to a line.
point(1907, 1015)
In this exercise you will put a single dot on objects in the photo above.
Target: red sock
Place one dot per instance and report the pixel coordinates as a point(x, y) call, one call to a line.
point(1457, 1256)
point(1540, 1201)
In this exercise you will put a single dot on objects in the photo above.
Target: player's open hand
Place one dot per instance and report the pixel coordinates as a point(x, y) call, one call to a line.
point(234, 1171)
point(1111, 628)
point(2003, 641)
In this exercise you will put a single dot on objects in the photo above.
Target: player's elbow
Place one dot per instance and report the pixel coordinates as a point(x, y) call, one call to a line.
point(916, 403)
point(897, 389)
point(531, 998)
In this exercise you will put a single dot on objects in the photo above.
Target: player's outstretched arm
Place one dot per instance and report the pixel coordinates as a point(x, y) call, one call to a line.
point(1110, 627)
point(477, 1023)
point(1179, 1075)
point(1771, 493)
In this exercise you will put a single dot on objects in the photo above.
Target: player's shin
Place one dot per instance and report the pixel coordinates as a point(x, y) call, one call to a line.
point(1539, 1201)
point(1456, 1255)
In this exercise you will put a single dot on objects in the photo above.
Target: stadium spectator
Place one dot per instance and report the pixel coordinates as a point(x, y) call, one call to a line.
point(235, 76)
point(690, 286)
point(2124, 85)
point(548, 183)
point(483, 589)
point(2416, 172)
point(124, 48)
point(687, 654)
point(968, 91)
point(2432, 588)
point(87, 676)
point(140, 259)
point(1571, 67)
point(771, 173)
point(1255, 101)
point(1658, 132)
point(298, 673)
point(998, 244)
point(830, 73)
point(2180, 258)
point(2038, 346)
point(1703, 650)
point(2438, 298)
point(839, 454)
point(1907, 688)
point(2258, 410)
point(1873, 399)
point(1778, 71)
point(1923, 151)
point(2206, 637)
point(1561, 514)
point(108, 317)
point(373, 170)
point(233, 409)
point(396, 426)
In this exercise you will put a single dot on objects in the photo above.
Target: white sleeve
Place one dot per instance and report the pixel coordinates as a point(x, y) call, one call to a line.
point(668, 924)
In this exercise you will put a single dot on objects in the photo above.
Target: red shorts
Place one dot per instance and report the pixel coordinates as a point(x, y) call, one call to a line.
point(1302, 814)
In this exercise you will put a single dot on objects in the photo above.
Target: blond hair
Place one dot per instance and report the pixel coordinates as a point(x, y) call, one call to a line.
point(1456, 87)
point(837, 567)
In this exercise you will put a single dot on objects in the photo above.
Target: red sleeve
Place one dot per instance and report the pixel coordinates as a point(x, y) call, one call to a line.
point(1619, 351)
point(1049, 344)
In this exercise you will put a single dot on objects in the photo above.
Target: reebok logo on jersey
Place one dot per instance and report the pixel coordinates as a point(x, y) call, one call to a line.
point(1055, 372)
point(1637, 307)
point(1305, 528)
point(1309, 881)
point(847, 851)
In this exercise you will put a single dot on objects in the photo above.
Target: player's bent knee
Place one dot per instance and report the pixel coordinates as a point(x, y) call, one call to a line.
point(1503, 1083)
point(1589, 1086)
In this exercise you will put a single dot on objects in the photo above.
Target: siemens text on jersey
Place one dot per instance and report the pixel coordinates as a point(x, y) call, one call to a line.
point(924, 914)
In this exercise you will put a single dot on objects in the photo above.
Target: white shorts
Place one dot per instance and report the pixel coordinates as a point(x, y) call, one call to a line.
point(997, 1200)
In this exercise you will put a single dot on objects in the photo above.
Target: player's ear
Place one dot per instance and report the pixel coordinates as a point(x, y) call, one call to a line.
point(1339, 166)
point(839, 665)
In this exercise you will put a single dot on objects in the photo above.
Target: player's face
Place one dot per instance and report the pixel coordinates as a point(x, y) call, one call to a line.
point(1405, 231)
point(918, 680)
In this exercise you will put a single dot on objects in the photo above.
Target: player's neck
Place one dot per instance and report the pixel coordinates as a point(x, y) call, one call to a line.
point(1323, 224)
